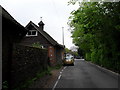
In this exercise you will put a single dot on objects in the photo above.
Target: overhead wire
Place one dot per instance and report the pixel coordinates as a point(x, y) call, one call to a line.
point(57, 13)
point(55, 9)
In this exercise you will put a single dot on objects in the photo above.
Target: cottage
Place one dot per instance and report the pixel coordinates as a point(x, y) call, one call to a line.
point(12, 32)
point(37, 34)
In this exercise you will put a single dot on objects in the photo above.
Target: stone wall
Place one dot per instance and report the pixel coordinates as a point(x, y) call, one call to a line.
point(26, 62)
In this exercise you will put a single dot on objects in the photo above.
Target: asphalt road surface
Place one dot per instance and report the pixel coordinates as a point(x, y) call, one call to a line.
point(86, 75)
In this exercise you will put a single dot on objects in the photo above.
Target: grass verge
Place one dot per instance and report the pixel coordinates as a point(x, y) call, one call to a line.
point(28, 82)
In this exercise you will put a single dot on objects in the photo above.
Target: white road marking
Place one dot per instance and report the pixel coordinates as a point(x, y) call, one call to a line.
point(58, 79)
point(60, 72)
point(64, 68)
point(55, 85)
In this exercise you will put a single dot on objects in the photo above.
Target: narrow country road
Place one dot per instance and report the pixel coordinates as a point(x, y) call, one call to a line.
point(86, 75)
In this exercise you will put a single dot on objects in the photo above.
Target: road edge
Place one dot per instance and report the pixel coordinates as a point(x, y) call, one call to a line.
point(111, 73)
point(59, 76)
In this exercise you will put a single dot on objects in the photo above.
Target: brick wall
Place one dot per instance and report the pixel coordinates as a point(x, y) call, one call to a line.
point(26, 62)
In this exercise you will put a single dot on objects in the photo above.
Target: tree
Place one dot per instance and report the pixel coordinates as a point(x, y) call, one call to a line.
point(74, 48)
point(74, 53)
point(96, 30)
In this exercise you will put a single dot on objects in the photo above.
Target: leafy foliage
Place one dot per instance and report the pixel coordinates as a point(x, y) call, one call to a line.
point(37, 45)
point(96, 30)
point(5, 85)
point(71, 52)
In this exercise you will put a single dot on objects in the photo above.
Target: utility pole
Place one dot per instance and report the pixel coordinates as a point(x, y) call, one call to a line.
point(63, 34)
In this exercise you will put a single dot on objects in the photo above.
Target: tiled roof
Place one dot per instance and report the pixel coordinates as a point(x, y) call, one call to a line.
point(9, 18)
point(6, 15)
point(45, 34)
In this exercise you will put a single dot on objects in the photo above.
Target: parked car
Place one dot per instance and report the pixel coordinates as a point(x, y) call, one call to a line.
point(77, 57)
point(68, 61)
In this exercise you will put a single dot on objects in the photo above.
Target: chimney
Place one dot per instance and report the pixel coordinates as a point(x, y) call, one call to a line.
point(41, 25)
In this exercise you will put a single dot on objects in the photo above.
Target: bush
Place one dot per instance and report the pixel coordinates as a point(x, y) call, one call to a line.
point(37, 45)
point(88, 56)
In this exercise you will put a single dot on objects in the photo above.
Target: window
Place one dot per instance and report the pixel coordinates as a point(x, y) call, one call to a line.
point(32, 33)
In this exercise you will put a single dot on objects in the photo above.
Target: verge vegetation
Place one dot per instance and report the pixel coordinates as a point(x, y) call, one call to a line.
point(95, 28)
point(38, 75)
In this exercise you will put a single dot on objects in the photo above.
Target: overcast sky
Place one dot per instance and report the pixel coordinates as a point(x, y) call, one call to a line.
point(54, 14)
